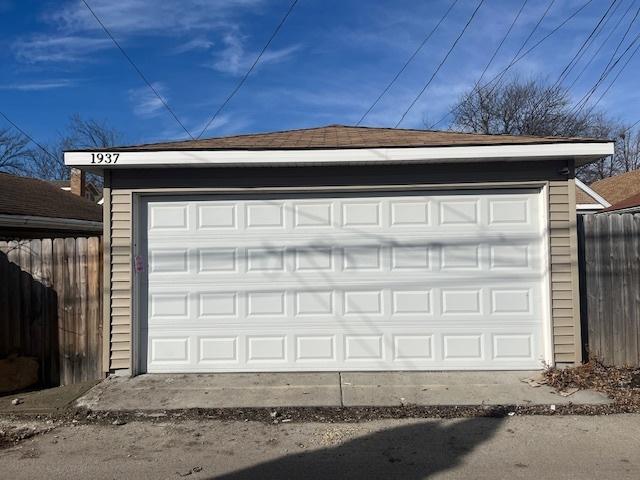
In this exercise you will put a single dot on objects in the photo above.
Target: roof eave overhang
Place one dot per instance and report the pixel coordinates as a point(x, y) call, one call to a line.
point(53, 223)
point(581, 152)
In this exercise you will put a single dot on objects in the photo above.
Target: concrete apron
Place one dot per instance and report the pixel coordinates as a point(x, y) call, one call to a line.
point(381, 389)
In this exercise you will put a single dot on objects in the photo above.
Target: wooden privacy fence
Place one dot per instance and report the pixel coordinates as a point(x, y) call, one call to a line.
point(610, 286)
point(51, 306)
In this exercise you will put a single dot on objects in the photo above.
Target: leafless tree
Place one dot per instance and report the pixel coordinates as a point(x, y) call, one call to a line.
point(520, 108)
point(14, 151)
point(79, 133)
point(533, 108)
point(625, 158)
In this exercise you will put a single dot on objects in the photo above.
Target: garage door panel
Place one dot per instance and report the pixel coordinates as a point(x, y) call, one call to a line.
point(320, 349)
point(448, 257)
point(500, 303)
point(375, 281)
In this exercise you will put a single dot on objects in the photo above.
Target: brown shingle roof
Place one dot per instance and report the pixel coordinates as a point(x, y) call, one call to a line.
point(33, 197)
point(584, 199)
point(617, 188)
point(629, 202)
point(341, 136)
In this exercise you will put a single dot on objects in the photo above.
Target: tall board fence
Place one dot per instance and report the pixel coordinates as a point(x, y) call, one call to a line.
point(610, 286)
point(51, 306)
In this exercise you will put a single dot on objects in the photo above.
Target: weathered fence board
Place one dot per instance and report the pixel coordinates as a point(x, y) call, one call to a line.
point(51, 306)
point(610, 286)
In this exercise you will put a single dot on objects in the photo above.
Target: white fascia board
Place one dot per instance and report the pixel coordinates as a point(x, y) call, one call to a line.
point(237, 158)
point(592, 193)
point(589, 206)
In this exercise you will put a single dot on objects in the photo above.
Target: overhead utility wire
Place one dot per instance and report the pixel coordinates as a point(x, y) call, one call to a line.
point(495, 52)
point(23, 132)
point(570, 65)
point(567, 69)
point(533, 47)
point(498, 78)
point(424, 88)
point(537, 44)
point(607, 69)
point(135, 67)
point(605, 41)
point(406, 64)
point(615, 79)
point(246, 75)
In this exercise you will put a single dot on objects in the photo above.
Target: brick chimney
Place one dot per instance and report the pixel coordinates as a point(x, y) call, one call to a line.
point(77, 182)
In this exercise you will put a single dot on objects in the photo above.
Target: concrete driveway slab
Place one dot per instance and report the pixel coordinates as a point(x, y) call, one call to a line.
point(45, 401)
point(360, 389)
point(372, 389)
point(224, 390)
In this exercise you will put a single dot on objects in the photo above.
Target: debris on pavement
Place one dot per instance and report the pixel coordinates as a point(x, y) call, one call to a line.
point(16, 401)
point(190, 472)
point(536, 380)
point(569, 391)
point(622, 384)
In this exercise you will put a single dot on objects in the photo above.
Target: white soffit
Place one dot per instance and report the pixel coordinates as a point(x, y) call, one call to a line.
point(227, 158)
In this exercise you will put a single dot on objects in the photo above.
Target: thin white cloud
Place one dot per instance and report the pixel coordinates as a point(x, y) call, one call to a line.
point(145, 103)
point(36, 86)
point(57, 48)
point(191, 45)
point(235, 60)
point(130, 17)
point(76, 34)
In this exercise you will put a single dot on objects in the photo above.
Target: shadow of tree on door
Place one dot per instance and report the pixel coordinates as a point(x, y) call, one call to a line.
point(408, 452)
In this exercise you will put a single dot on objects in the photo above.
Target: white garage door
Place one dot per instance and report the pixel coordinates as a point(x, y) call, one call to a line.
point(384, 281)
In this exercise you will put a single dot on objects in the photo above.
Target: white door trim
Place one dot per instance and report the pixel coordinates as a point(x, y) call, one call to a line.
point(140, 199)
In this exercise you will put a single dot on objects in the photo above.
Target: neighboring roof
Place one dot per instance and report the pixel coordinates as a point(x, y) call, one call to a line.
point(583, 199)
point(587, 199)
point(33, 197)
point(619, 187)
point(344, 137)
point(60, 183)
point(629, 203)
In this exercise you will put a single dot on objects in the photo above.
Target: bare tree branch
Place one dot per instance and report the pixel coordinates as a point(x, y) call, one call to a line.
point(534, 108)
point(14, 151)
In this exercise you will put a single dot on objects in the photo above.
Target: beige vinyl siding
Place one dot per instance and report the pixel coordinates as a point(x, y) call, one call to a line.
point(565, 310)
point(564, 272)
point(120, 281)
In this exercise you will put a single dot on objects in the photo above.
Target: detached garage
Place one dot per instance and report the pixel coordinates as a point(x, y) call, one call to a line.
point(342, 248)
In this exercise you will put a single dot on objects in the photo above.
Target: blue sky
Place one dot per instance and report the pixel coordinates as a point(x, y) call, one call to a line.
point(328, 63)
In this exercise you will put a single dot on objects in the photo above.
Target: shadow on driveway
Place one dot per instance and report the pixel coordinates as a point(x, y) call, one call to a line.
point(409, 452)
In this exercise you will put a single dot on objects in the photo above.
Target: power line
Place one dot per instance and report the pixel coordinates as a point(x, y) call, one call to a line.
point(533, 47)
point(606, 40)
point(632, 126)
point(480, 3)
point(607, 69)
point(570, 65)
point(495, 52)
point(614, 79)
point(409, 60)
point(14, 125)
point(135, 67)
point(514, 59)
point(246, 75)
